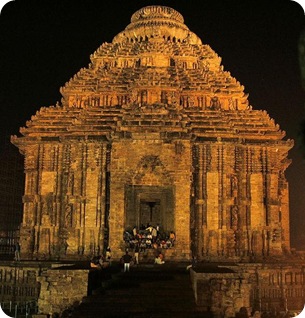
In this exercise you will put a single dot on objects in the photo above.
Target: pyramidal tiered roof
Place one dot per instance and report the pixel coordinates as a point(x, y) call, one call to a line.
point(155, 76)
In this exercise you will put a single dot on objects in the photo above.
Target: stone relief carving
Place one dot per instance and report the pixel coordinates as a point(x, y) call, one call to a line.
point(234, 186)
point(215, 103)
point(69, 215)
point(234, 216)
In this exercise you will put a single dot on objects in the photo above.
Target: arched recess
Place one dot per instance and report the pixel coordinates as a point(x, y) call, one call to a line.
point(149, 196)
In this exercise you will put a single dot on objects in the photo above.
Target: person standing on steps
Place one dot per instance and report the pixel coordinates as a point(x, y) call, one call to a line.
point(134, 231)
point(126, 260)
point(17, 251)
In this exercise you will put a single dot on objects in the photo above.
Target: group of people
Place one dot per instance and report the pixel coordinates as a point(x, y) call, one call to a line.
point(149, 237)
point(127, 259)
point(138, 240)
point(101, 261)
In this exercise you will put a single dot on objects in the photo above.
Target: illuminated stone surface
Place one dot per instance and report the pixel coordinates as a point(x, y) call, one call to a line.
point(154, 118)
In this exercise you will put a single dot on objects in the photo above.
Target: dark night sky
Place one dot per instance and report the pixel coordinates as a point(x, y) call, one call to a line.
point(44, 43)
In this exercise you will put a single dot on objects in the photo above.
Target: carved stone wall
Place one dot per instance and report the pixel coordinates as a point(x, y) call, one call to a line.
point(257, 287)
point(276, 287)
point(239, 210)
point(221, 292)
point(64, 201)
point(54, 289)
point(151, 164)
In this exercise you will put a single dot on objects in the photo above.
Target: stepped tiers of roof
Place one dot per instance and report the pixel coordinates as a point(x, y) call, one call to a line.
point(154, 131)
point(156, 59)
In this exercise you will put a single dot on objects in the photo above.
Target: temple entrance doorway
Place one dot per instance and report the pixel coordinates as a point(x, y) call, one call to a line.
point(150, 212)
point(149, 205)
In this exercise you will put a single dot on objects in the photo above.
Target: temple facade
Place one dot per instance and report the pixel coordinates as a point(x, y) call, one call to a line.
point(154, 132)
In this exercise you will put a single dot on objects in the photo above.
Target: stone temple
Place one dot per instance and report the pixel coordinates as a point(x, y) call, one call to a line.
point(154, 131)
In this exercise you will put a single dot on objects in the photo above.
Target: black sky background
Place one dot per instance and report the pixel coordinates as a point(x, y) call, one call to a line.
point(44, 43)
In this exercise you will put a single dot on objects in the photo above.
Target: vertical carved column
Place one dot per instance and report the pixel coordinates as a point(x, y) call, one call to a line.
point(241, 200)
point(221, 224)
point(221, 185)
point(55, 197)
point(102, 195)
point(193, 206)
point(284, 210)
point(272, 200)
point(212, 187)
point(247, 201)
point(266, 235)
point(205, 160)
point(107, 189)
point(37, 227)
point(265, 182)
point(40, 164)
point(27, 233)
point(58, 185)
point(95, 195)
point(199, 214)
point(84, 156)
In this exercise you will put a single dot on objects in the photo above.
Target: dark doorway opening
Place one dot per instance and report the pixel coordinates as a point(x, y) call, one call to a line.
point(149, 205)
point(150, 212)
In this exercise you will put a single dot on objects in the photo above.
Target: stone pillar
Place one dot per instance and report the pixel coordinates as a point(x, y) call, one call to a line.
point(199, 203)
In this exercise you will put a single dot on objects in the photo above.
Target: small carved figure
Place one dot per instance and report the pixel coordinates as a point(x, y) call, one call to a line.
point(232, 105)
point(234, 185)
point(234, 216)
point(173, 98)
point(215, 103)
point(134, 97)
point(68, 215)
point(70, 183)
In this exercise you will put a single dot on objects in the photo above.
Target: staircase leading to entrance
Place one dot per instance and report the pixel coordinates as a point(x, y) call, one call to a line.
point(150, 291)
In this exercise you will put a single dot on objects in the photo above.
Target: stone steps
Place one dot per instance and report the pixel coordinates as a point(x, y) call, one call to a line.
point(171, 254)
point(157, 291)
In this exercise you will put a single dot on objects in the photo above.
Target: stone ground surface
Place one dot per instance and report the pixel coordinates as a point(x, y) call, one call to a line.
point(150, 291)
